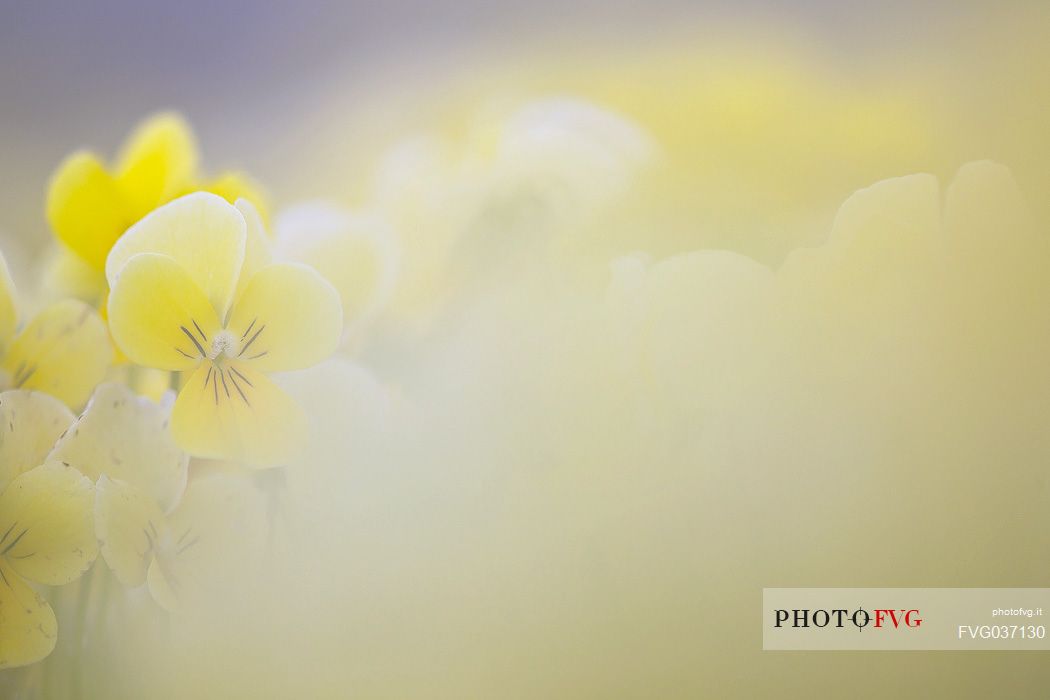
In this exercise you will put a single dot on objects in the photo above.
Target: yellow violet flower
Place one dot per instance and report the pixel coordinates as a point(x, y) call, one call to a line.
point(125, 436)
point(64, 350)
point(540, 177)
point(191, 292)
point(89, 205)
point(185, 541)
point(191, 555)
point(47, 532)
point(356, 251)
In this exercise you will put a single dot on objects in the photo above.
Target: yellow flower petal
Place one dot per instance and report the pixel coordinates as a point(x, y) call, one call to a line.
point(28, 628)
point(158, 161)
point(130, 526)
point(159, 316)
point(877, 259)
point(162, 591)
point(126, 437)
point(202, 232)
point(68, 275)
point(64, 351)
point(889, 219)
point(218, 536)
point(257, 245)
point(986, 219)
point(149, 382)
point(30, 423)
point(232, 186)
point(86, 208)
point(8, 305)
point(356, 253)
point(289, 317)
point(47, 525)
point(235, 412)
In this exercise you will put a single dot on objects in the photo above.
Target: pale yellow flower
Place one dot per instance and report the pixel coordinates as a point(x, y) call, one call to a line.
point(46, 528)
point(149, 523)
point(186, 556)
point(125, 436)
point(64, 350)
point(356, 251)
point(518, 184)
point(89, 205)
point(192, 292)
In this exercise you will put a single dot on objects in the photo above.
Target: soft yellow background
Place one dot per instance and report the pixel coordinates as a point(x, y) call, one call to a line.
point(549, 470)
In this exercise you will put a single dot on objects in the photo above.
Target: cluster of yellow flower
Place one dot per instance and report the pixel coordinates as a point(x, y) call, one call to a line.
point(176, 290)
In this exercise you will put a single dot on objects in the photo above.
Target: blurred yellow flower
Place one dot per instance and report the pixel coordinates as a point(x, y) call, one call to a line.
point(90, 206)
point(356, 251)
point(760, 143)
point(514, 185)
point(911, 260)
point(185, 556)
point(46, 528)
point(192, 292)
point(64, 350)
point(125, 436)
point(124, 442)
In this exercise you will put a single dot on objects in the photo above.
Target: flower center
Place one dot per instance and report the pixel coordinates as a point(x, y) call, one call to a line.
point(224, 343)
